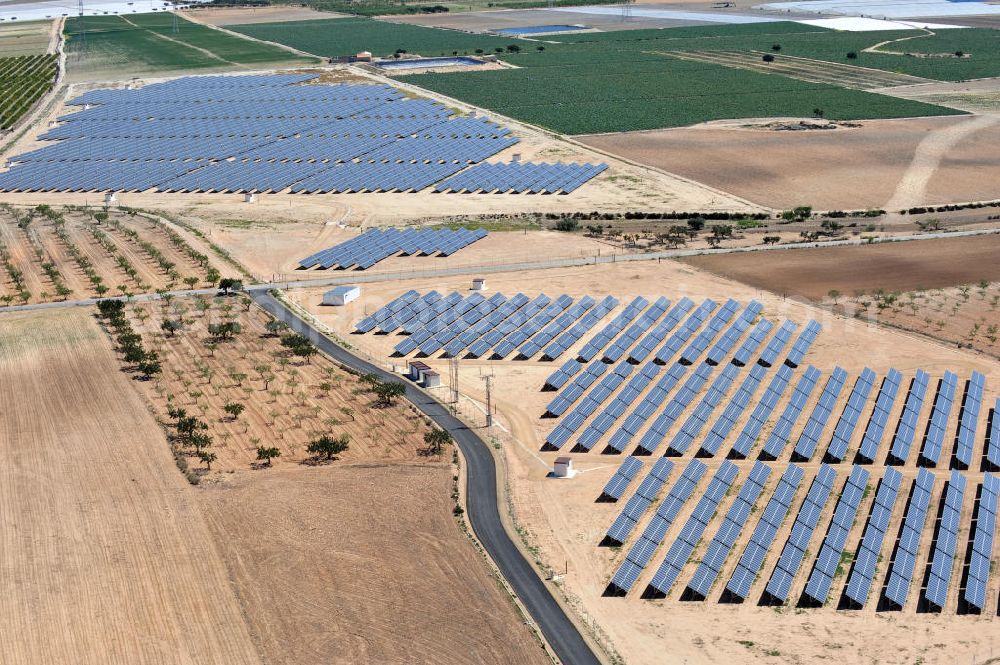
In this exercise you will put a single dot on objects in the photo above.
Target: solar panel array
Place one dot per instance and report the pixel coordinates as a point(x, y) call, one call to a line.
point(859, 584)
point(972, 403)
point(642, 551)
point(632, 311)
point(681, 549)
point(849, 418)
point(993, 440)
point(828, 560)
point(982, 543)
point(774, 514)
point(782, 431)
point(639, 502)
point(270, 134)
point(809, 438)
point(722, 543)
point(905, 561)
point(375, 245)
point(943, 557)
point(907, 427)
point(625, 474)
point(520, 177)
point(872, 439)
point(780, 584)
point(936, 429)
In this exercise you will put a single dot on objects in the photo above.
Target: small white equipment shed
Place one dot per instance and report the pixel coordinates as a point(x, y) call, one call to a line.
point(563, 468)
point(342, 295)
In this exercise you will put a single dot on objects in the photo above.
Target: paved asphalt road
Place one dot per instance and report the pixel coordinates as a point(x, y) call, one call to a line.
point(483, 511)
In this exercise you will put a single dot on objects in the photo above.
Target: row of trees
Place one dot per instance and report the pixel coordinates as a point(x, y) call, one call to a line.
point(128, 341)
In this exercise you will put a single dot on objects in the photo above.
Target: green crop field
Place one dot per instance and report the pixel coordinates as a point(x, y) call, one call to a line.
point(23, 81)
point(347, 36)
point(122, 46)
point(607, 82)
point(28, 38)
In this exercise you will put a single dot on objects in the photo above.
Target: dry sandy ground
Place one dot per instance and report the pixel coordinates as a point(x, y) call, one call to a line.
point(828, 169)
point(904, 266)
point(224, 16)
point(362, 564)
point(106, 556)
point(562, 519)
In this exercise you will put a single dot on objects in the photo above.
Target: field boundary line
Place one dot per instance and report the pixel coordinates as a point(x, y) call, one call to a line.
point(248, 38)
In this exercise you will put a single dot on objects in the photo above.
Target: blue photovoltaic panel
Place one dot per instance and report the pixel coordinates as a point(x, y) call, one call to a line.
point(982, 542)
point(745, 353)
point(971, 405)
point(625, 341)
point(701, 341)
point(937, 428)
point(642, 551)
point(763, 535)
point(898, 586)
point(565, 340)
point(537, 341)
point(803, 343)
point(637, 504)
point(809, 438)
point(694, 423)
point(875, 430)
point(600, 340)
point(628, 470)
point(681, 549)
point(993, 441)
point(567, 371)
point(828, 559)
point(859, 584)
point(848, 421)
point(677, 340)
point(518, 177)
point(762, 412)
point(906, 429)
point(675, 407)
point(736, 517)
point(590, 403)
point(943, 557)
point(724, 424)
point(732, 335)
point(782, 431)
point(795, 548)
point(517, 337)
point(510, 326)
point(777, 343)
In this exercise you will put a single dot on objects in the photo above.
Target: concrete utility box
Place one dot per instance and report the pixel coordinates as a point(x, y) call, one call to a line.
point(416, 370)
point(563, 468)
point(431, 379)
point(342, 295)
point(249, 197)
point(363, 56)
point(479, 284)
point(110, 198)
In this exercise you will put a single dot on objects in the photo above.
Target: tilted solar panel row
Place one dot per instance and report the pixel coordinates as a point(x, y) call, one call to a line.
point(518, 336)
point(937, 428)
point(637, 504)
point(699, 416)
point(721, 349)
point(589, 405)
point(623, 476)
point(240, 177)
point(829, 557)
point(438, 317)
point(425, 305)
point(848, 422)
point(803, 343)
point(239, 109)
point(567, 339)
point(467, 318)
point(762, 412)
point(473, 333)
point(773, 349)
point(984, 529)
point(568, 396)
point(972, 403)
point(905, 560)
point(906, 429)
point(481, 346)
point(382, 243)
point(622, 402)
point(787, 568)
point(875, 430)
point(771, 519)
point(809, 438)
point(520, 177)
point(97, 177)
point(673, 345)
point(732, 525)
point(651, 439)
point(863, 573)
point(354, 177)
point(943, 556)
point(781, 434)
point(650, 340)
point(562, 323)
point(993, 440)
point(368, 323)
point(681, 549)
point(602, 338)
point(642, 551)
point(624, 341)
point(697, 346)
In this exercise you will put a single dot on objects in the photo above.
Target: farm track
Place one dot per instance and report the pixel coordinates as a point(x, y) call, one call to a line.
point(802, 69)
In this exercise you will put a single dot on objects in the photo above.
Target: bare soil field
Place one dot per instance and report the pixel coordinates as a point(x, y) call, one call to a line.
point(892, 267)
point(287, 401)
point(107, 557)
point(223, 16)
point(362, 564)
point(563, 521)
point(822, 168)
point(29, 38)
point(72, 254)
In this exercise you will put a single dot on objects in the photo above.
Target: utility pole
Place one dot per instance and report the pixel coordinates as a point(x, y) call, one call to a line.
point(489, 399)
point(453, 371)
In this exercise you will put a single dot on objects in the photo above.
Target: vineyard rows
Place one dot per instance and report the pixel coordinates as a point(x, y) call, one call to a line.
point(23, 81)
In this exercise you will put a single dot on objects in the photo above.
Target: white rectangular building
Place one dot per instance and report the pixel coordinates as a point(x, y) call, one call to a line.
point(342, 295)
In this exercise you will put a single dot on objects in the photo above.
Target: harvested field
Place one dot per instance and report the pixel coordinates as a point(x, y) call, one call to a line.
point(52, 255)
point(29, 38)
point(368, 567)
point(562, 519)
point(848, 168)
point(287, 401)
point(107, 557)
point(892, 267)
point(225, 16)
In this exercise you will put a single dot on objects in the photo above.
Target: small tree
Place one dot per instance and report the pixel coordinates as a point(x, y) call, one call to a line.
point(207, 458)
point(275, 327)
point(306, 351)
point(191, 281)
point(150, 367)
point(818, 112)
point(234, 409)
point(834, 295)
point(172, 326)
point(388, 391)
point(696, 224)
point(328, 447)
point(768, 57)
point(436, 439)
point(266, 454)
point(230, 284)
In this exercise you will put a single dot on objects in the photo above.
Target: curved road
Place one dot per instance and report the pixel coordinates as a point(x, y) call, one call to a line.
point(481, 497)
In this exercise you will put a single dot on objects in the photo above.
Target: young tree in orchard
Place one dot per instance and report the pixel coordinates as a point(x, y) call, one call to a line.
point(234, 409)
point(327, 447)
point(266, 454)
point(437, 439)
